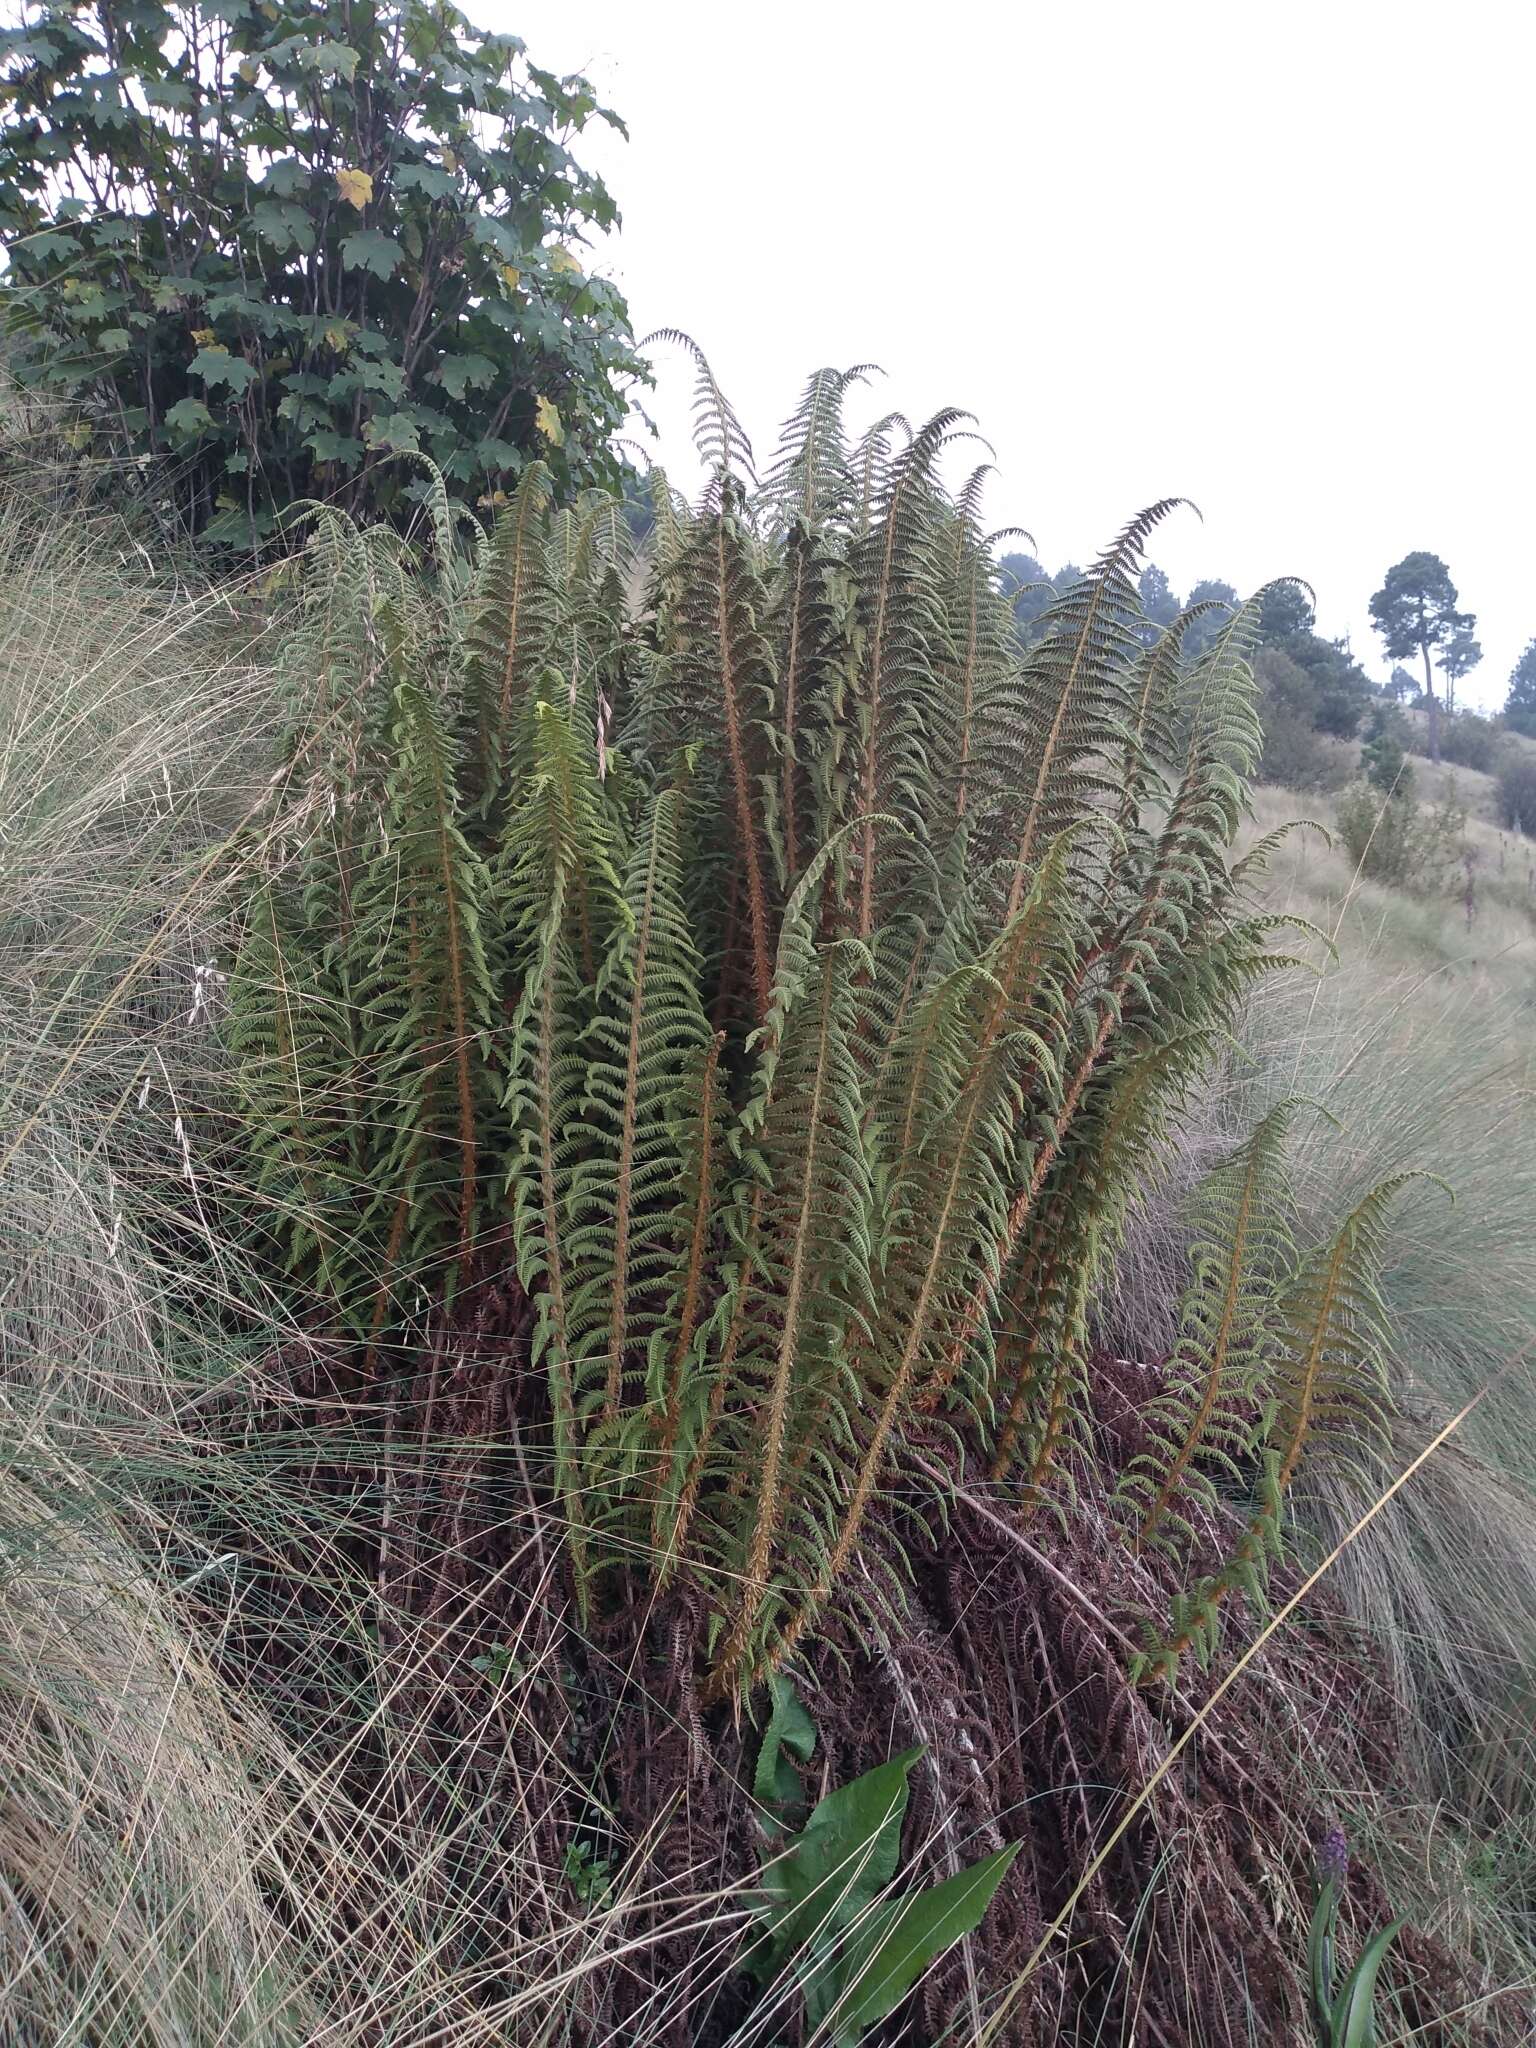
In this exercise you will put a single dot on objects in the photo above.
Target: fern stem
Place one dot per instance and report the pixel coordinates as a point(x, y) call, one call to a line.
point(967, 693)
point(776, 1420)
point(725, 1676)
point(618, 1295)
point(688, 1500)
point(1215, 1374)
point(1025, 1379)
point(1055, 1429)
point(869, 794)
point(562, 1397)
point(1034, 812)
point(494, 764)
point(1312, 1363)
point(789, 798)
point(382, 1293)
point(462, 1041)
point(693, 1282)
point(741, 781)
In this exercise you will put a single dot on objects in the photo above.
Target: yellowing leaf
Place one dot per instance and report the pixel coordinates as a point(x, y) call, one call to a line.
point(356, 187)
point(562, 259)
point(450, 161)
point(547, 418)
point(204, 336)
point(337, 338)
point(248, 69)
point(513, 276)
point(78, 435)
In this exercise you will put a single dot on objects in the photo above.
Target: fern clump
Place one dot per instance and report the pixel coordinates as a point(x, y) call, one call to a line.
point(781, 983)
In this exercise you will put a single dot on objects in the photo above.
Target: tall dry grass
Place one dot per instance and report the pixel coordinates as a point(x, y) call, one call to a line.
point(246, 1797)
point(136, 1831)
point(1419, 1041)
point(1423, 1042)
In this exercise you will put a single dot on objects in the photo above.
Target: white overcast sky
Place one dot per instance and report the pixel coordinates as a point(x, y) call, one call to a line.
point(1274, 258)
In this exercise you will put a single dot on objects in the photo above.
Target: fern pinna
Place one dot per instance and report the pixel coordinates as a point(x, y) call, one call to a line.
point(747, 946)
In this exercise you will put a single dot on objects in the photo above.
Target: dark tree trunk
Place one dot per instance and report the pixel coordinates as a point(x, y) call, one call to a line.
point(1433, 705)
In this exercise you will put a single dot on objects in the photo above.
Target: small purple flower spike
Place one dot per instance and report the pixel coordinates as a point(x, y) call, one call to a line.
point(1333, 1857)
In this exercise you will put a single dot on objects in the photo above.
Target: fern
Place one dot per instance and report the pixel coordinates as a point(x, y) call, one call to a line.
point(896, 564)
point(509, 638)
point(1241, 1249)
point(678, 1362)
point(977, 727)
point(714, 690)
point(1075, 695)
point(425, 1030)
point(1330, 1375)
point(290, 1066)
point(803, 975)
point(1075, 1232)
point(564, 899)
point(1322, 1380)
point(808, 1284)
point(645, 1041)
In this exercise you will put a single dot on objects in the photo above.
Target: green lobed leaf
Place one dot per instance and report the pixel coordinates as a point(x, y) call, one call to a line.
point(458, 374)
point(427, 178)
point(326, 446)
point(393, 430)
point(189, 416)
point(284, 225)
point(217, 365)
point(372, 250)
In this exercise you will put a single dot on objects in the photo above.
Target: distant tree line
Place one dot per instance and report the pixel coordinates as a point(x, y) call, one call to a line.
point(1311, 685)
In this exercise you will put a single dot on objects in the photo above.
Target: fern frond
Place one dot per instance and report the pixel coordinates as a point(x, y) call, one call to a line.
point(1076, 1229)
point(426, 991)
point(1074, 692)
point(810, 1280)
point(948, 1199)
point(1329, 1374)
point(509, 638)
point(674, 1342)
point(1325, 1378)
point(897, 569)
point(810, 478)
point(291, 1071)
point(718, 434)
point(646, 1038)
point(815, 638)
point(718, 687)
point(561, 884)
point(1241, 1249)
point(977, 729)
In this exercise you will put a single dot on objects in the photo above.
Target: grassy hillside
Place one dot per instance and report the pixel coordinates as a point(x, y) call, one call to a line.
point(1420, 1038)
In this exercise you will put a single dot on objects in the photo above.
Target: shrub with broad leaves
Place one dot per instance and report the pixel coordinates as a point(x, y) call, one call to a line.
point(292, 246)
